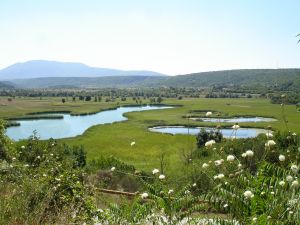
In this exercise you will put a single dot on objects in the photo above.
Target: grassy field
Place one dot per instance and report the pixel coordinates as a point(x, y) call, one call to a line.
point(115, 139)
point(19, 107)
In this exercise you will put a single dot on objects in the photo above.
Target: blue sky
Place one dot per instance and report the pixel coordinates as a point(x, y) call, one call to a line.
point(172, 37)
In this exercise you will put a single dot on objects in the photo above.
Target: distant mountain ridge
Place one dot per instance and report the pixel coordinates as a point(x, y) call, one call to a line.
point(44, 68)
point(280, 79)
point(6, 85)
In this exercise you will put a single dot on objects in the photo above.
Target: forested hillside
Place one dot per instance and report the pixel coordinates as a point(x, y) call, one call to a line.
point(276, 79)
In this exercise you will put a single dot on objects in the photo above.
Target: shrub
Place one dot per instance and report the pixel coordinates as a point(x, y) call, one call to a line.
point(205, 136)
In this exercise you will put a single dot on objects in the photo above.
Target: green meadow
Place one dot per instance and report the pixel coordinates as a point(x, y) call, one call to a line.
point(114, 139)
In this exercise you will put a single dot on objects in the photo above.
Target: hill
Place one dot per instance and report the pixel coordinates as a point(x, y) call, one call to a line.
point(43, 68)
point(90, 82)
point(279, 79)
point(6, 85)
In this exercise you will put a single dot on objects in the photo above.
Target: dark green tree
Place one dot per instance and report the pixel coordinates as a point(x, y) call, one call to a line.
point(159, 99)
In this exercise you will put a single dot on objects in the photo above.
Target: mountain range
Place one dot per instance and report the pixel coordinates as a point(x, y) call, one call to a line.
point(49, 74)
point(44, 68)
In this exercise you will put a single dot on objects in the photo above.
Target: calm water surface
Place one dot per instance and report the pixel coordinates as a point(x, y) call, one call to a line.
point(227, 132)
point(70, 126)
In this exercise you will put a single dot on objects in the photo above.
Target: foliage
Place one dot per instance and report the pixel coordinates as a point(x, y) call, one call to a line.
point(43, 182)
point(205, 136)
point(45, 188)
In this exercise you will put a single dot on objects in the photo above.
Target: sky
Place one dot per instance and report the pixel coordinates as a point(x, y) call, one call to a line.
point(167, 36)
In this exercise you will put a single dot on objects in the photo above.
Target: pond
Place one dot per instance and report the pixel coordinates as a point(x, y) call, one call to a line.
point(234, 119)
point(71, 126)
point(227, 132)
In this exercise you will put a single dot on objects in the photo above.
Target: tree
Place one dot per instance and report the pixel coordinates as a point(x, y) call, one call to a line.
point(88, 98)
point(63, 100)
point(159, 99)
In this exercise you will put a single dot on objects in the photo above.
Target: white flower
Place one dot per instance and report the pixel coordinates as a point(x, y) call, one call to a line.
point(194, 184)
point(204, 165)
point(244, 155)
point(225, 206)
point(208, 114)
point(248, 194)
point(240, 166)
point(113, 168)
point(210, 143)
point(100, 210)
point(161, 177)
point(144, 195)
point(294, 168)
point(289, 178)
point(281, 158)
point(249, 153)
point(221, 176)
point(13, 158)
point(170, 191)
point(235, 126)
point(44, 175)
point(269, 135)
point(155, 171)
point(218, 162)
point(38, 157)
point(295, 184)
point(26, 165)
point(230, 158)
point(187, 192)
point(254, 219)
point(282, 183)
point(270, 143)
point(22, 147)
point(132, 143)
point(294, 134)
point(272, 192)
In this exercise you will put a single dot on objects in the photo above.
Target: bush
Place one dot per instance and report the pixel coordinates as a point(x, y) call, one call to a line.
point(205, 136)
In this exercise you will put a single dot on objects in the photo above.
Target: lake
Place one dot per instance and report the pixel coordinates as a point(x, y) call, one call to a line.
point(71, 126)
point(227, 132)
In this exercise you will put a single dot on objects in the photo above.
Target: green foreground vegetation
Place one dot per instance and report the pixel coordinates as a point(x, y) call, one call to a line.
point(223, 178)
